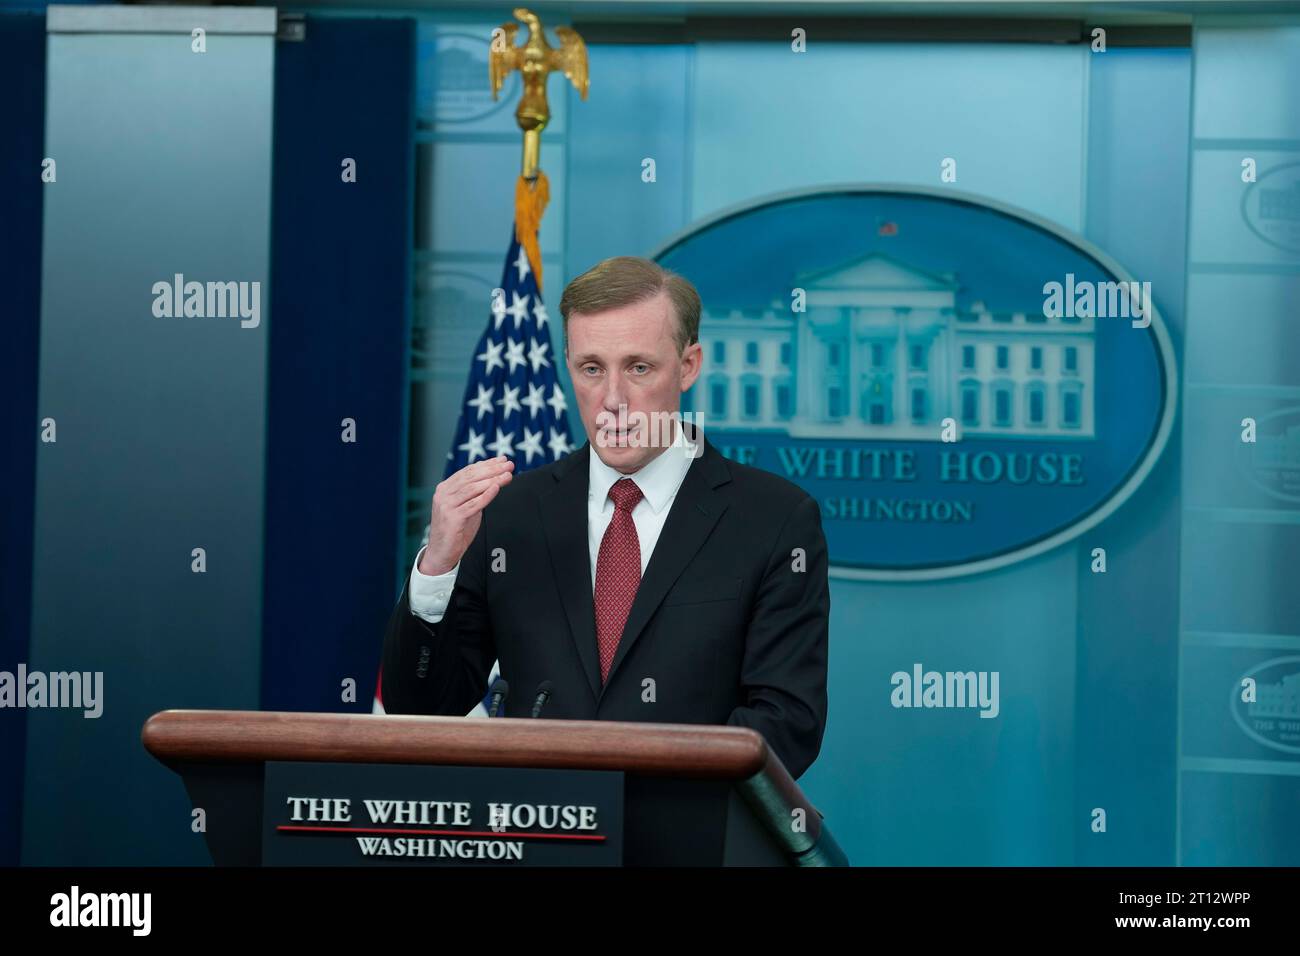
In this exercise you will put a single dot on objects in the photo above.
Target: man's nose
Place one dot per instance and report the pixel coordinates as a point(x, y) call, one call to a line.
point(614, 397)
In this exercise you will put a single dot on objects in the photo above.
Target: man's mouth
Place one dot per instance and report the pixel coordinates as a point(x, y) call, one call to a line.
point(616, 437)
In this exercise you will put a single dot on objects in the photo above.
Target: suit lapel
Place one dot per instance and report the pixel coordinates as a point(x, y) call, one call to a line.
point(691, 519)
point(564, 519)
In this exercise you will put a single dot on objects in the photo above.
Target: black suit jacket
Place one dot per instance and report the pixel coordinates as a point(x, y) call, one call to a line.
point(729, 621)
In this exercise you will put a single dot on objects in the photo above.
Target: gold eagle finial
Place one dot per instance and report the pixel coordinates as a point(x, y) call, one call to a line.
point(535, 60)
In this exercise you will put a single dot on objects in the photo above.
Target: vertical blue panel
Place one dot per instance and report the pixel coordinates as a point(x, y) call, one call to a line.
point(22, 119)
point(1239, 779)
point(164, 167)
point(338, 351)
point(1128, 648)
point(935, 787)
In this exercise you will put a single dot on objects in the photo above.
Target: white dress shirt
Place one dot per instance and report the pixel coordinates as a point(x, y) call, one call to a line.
point(428, 595)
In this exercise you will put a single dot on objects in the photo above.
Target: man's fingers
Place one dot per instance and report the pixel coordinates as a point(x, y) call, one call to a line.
point(487, 466)
point(480, 469)
point(462, 496)
point(480, 501)
point(459, 495)
point(453, 487)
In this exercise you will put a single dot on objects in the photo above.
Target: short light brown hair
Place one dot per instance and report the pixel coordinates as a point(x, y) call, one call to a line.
point(626, 280)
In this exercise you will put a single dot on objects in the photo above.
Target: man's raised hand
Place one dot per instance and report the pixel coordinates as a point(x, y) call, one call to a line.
point(458, 503)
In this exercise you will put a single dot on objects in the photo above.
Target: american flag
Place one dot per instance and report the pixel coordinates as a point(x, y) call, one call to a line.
point(513, 405)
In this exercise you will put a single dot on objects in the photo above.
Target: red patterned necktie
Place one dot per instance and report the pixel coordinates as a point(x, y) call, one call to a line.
point(618, 572)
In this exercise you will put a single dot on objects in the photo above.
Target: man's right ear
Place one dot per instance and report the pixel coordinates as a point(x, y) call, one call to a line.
point(692, 362)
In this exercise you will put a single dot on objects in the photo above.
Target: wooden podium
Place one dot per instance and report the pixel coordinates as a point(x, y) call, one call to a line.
point(692, 795)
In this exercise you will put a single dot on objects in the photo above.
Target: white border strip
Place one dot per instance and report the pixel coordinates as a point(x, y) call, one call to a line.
point(253, 21)
point(1163, 346)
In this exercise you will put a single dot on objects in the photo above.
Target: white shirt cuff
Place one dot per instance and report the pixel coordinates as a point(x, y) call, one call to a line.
point(429, 594)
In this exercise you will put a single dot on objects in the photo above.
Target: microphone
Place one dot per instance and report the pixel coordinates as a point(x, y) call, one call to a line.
point(499, 691)
point(544, 690)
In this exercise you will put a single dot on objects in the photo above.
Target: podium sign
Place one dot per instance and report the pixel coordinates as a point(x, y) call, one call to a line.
point(358, 814)
point(292, 789)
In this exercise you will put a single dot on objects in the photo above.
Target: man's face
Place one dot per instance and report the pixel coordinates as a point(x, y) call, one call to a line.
point(627, 358)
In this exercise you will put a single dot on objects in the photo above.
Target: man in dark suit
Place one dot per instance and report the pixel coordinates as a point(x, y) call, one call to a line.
point(645, 576)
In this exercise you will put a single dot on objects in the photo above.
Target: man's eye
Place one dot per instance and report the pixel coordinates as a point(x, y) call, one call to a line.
point(590, 368)
point(642, 366)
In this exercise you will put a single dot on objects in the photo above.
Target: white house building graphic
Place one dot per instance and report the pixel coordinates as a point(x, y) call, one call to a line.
point(1279, 701)
point(882, 351)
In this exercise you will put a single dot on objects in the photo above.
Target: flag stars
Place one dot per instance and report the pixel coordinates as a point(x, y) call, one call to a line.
point(515, 355)
point(535, 401)
point(518, 308)
point(509, 401)
point(531, 445)
point(491, 357)
point(521, 264)
point(556, 401)
point(474, 446)
point(513, 362)
point(537, 354)
point(483, 403)
point(559, 443)
point(504, 445)
point(498, 308)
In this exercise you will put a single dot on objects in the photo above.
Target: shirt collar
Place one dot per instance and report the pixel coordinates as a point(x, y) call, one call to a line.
point(658, 480)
